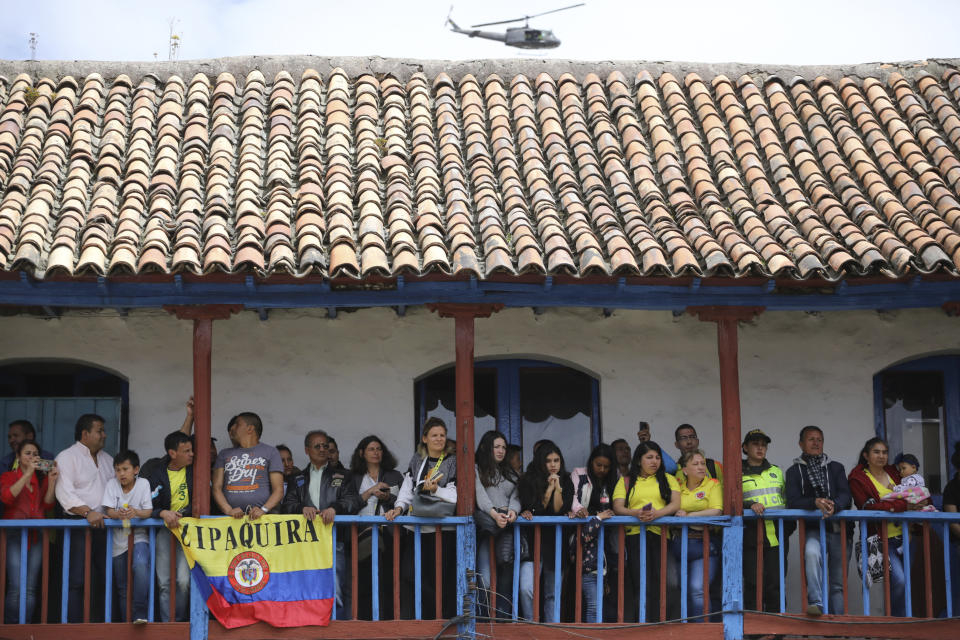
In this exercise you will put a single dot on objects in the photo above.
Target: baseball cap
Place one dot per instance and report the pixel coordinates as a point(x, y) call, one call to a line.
point(756, 434)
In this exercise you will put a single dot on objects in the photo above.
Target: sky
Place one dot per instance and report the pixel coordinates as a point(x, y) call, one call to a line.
point(758, 31)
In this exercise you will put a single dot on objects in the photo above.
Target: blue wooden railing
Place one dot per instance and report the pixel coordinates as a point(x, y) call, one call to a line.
point(730, 528)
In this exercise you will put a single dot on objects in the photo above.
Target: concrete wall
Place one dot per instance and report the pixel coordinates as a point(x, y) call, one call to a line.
point(354, 375)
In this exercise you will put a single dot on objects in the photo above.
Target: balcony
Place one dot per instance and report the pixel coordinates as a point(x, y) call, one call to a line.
point(380, 617)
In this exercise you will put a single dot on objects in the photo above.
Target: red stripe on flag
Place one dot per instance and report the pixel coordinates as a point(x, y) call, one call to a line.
point(277, 614)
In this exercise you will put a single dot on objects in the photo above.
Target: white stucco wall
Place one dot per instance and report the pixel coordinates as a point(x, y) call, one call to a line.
point(354, 375)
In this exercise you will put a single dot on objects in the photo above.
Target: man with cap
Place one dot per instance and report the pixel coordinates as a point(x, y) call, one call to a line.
point(762, 490)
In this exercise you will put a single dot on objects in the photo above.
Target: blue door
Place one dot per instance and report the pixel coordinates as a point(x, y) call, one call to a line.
point(55, 418)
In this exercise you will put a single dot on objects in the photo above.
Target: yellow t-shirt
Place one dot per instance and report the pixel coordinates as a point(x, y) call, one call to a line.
point(708, 495)
point(893, 530)
point(179, 496)
point(645, 491)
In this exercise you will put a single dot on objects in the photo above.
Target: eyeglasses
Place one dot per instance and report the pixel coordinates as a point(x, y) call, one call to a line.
point(321, 445)
point(685, 438)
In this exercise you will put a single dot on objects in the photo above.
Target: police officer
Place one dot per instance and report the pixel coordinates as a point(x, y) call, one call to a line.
point(763, 485)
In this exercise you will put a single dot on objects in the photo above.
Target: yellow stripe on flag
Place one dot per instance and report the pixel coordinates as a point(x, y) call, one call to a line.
point(289, 543)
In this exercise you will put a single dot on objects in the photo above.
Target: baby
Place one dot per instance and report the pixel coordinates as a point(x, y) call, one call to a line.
point(912, 487)
point(908, 465)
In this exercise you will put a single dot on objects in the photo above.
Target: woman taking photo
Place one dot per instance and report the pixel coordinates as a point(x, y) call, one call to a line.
point(498, 504)
point(870, 481)
point(377, 482)
point(429, 489)
point(545, 490)
point(699, 496)
point(646, 493)
point(593, 488)
point(26, 494)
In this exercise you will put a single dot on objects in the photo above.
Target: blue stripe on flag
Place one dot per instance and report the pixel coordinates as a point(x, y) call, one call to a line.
point(312, 584)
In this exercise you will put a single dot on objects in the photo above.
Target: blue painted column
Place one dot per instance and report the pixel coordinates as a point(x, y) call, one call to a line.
point(466, 580)
point(733, 579)
point(199, 614)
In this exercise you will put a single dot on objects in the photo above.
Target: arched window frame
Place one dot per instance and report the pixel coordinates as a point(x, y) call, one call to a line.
point(509, 420)
point(946, 365)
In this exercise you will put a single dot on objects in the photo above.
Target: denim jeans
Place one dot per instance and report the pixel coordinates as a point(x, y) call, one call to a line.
point(164, 538)
point(590, 597)
point(695, 584)
point(813, 563)
point(141, 581)
point(11, 613)
point(546, 592)
point(898, 585)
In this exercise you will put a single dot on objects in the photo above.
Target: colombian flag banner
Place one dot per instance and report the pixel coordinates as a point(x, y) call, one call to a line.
point(278, 569)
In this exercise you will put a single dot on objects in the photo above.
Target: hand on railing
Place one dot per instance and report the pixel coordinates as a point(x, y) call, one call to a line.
point(826, 506)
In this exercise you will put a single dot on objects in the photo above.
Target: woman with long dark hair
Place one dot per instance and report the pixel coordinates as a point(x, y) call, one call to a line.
point(374, 476)
point(646, 493)
point(593, 488)
point(870, 480)
point(545, 490)
point(498, 504)
point(429, 489)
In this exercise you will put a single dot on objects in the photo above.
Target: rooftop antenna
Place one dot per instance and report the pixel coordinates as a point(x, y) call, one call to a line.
point(174, 42)
point(33, 45)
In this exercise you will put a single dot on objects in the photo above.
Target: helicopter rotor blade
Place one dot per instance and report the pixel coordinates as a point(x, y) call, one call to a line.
point(536, 15)
point(490, 24)
point(572, 6)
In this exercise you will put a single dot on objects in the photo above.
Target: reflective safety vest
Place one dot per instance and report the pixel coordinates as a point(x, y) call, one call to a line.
point(766, 488)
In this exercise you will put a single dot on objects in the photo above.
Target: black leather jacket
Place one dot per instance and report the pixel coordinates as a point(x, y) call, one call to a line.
point(336, 490)
point(155, 471)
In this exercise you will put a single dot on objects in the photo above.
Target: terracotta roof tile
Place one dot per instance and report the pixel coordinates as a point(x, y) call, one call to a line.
point(368, 175)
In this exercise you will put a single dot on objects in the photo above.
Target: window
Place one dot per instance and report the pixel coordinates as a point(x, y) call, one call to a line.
point(527, 400)
point(53, 394)
point(916, 406)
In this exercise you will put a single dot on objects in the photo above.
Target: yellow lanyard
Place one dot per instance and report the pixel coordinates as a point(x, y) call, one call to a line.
point(436, 467)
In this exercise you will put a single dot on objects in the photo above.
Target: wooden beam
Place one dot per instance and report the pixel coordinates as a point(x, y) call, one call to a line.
point(202, 389)
point(152, 631)
point(727, 319)
point(463, 316)
point(850, 626)
point(203, 317)
point(668, 631)
point(382, 630)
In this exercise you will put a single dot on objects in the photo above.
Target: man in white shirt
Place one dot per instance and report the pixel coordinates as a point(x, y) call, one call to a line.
point(85, 469)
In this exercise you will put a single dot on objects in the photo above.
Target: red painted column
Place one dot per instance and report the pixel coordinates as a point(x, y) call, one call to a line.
point(728, 319)
point(463, 316)
point(203, 317)
point(730, 409)
point(465, 394)
point(202, 351)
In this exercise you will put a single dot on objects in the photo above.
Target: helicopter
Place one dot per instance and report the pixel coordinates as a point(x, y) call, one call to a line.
point(523, 37)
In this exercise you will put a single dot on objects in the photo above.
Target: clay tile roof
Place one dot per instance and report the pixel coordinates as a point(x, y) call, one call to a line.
point(596, 168)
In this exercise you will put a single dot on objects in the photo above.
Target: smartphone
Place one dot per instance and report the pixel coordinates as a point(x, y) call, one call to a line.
point(45, 465)
point(647, 507)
